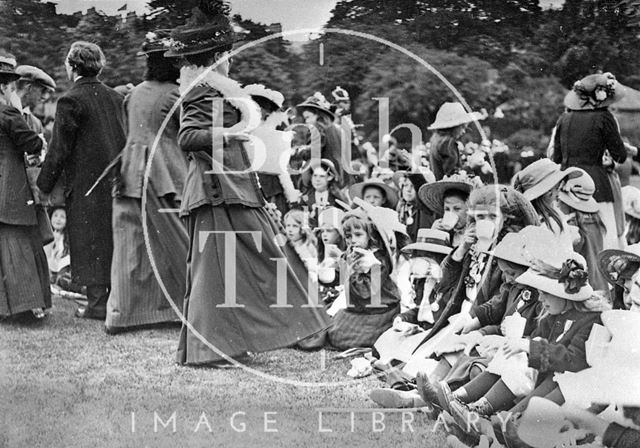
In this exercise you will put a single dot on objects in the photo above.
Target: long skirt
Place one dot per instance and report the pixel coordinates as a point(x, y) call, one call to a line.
point(350, 329)
point(24, 274)
point(136, 297)
point(236, 304)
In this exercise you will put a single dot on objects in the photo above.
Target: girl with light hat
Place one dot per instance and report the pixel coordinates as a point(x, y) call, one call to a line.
point(468, 273)
point(425, 256)
point(584, 133)
point(447, 199)
point(513, 302)
point(558, 343)
point(539, 183)
point(580, 210)
point(469, 276)
point(631, 207)
point(449, 126)
point(372, 235)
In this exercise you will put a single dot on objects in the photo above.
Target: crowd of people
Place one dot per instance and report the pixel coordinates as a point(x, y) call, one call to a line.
point(490, 303)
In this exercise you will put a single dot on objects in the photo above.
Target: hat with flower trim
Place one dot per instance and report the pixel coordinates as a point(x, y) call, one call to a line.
point(594, 92)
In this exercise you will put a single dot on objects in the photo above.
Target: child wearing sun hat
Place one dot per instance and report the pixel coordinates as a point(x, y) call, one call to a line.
point(556, 345)
point(575, 201)
point(373, 235)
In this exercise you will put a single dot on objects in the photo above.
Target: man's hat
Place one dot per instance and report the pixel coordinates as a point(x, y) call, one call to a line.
point(36, 76)
point(8, 67)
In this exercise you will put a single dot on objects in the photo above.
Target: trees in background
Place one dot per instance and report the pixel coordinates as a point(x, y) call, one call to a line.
point(508, 56)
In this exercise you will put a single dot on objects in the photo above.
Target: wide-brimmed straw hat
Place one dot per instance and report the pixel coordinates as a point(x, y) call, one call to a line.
point(618, 266)
point(555, 269)
point(432, 195)
point(615, 372)
point(261, 91)
point(594, 92)
point(206, 30)
point(36, 75)
point(451, 115)
point(431, 240)
point(8, 67)
point(317, 103)
point(357, 190)
point(631, 201)
point(577, 192)
point(155, 42)
point(539, 178)
point(511, 249)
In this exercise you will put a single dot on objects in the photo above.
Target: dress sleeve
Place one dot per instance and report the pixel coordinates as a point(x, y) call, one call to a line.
point(492, 311)
point(24, 139)
point(63, 140)
point(612, 139)
point(202, 121)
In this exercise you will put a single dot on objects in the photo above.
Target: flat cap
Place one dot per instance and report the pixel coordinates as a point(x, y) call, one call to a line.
point(36, 75)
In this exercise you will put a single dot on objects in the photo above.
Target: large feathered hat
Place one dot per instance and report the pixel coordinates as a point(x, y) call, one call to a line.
point(207, 29)
point(155, 41)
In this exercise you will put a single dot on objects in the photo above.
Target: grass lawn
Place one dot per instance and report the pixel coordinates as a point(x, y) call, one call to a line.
point(65, 383)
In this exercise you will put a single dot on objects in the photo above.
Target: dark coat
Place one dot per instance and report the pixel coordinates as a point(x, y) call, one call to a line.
point(146, 108)
point(617, 436)
point(444, 155)
point(16, 138)
point(558, 346)
point(452, 289)
point(581, 139)
point(88, 134)
point(512, 297)
point(195, 137)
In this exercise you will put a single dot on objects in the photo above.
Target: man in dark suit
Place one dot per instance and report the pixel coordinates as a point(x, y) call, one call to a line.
point(88, 134)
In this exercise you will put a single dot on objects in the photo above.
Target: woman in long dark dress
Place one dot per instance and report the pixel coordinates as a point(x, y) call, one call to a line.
point(230, 307)
point(584, 133)
point(136, 298)
point(24, 274)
